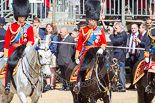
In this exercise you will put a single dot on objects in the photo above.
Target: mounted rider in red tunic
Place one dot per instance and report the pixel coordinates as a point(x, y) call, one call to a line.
point(149, 57)
point(89, 37)
point(17, 34)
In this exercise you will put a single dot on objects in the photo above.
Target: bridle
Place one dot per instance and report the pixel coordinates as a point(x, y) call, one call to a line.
point(28, 74)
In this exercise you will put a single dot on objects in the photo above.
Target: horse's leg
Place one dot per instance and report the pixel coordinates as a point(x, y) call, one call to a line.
point(22, 97)
point(35, 99)
point(79, 98)
point(36, 94)
point(107, 98)
point(10, 97)
point(92, 100)
point(148, 97)
point(5, 98)
point(141, 92)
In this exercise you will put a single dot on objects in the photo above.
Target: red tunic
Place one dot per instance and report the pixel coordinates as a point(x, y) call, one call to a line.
point(11, 41)
point(84, 36)
point(84, 42)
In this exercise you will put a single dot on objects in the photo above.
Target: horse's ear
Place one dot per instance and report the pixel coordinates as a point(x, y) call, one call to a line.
point(36, 42)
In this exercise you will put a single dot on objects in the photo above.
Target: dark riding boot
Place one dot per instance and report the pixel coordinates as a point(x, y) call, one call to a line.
point(76, 89)
point(148, 88)
point(8, 79)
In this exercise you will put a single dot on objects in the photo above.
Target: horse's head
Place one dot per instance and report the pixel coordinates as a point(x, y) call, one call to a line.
point(44, 56)
point(108, 62)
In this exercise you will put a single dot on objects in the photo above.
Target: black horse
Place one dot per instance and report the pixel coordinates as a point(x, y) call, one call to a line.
point(144, 97)
point(98, 87)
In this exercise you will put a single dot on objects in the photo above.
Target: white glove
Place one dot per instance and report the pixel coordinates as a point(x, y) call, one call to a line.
point(100, 51)
point(1, 54)
point(77, 61)
point(5, 59)
point(147, 60)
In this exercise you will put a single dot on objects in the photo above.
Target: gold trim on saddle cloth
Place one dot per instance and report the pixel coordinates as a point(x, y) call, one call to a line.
point(152, 67)
point(139, 71)
point(73, 76)
point(2, 72)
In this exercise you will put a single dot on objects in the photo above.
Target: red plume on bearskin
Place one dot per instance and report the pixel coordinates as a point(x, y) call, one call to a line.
point(21, 8)
point(93, 9)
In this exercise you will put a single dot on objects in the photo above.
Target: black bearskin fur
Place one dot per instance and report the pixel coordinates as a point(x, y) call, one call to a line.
point(93, 9)
point(89, 59)
point(15, 56)
point(21, 8)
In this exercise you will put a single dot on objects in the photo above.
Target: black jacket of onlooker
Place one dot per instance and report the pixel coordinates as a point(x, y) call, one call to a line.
point(2, 36)
point(142, 45)
point(65, 52)
point(119, 40)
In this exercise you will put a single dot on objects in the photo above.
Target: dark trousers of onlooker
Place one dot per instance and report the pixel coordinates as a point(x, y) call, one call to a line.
point(63, 75)
point(133, 60)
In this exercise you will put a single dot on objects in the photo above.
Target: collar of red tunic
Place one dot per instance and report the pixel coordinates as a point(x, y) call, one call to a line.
point(92, 27)
point(20, 23)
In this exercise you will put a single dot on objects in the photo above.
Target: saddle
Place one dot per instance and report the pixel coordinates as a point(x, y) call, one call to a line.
point(73, 76)
point(3, 70)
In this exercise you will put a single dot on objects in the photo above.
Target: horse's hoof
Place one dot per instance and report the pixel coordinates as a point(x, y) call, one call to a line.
point(7, 90)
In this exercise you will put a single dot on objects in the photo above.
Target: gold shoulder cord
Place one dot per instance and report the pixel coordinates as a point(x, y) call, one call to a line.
point(17, 33)
point(88, 34)
point(152, 37)
point(149, 34)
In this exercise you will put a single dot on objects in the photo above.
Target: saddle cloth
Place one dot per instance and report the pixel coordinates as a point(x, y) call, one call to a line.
point(73, 76)
point(139, 71)
point(152, 67)
point(3, 70)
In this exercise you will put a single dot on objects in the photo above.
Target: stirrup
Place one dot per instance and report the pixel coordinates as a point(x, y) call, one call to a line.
point(76, 89)
point(7, 89)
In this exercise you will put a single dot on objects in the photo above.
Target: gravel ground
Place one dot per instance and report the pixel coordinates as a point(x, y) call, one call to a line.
point(56, 96)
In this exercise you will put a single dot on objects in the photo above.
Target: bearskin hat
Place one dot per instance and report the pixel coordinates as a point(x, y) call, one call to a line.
point(93, 9)
point(21, 8)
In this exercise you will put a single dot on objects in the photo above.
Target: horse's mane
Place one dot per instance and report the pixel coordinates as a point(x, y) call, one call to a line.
point(30, 54)
point(16, 55)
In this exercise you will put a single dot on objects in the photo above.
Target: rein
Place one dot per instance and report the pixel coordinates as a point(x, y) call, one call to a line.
point(99, 82)
point(29, 76)
point(106, 89)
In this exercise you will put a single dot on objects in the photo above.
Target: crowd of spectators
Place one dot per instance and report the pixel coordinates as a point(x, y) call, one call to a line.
point(118, 36)
point(135, 39)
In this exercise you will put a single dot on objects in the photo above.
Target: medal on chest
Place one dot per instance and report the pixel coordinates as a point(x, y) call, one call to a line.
point(97, 39)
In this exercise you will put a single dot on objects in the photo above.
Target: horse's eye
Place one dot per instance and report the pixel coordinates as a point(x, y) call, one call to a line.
point(40, 56)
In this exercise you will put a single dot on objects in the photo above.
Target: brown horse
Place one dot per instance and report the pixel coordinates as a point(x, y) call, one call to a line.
point(98, 87)
point(144, 97)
